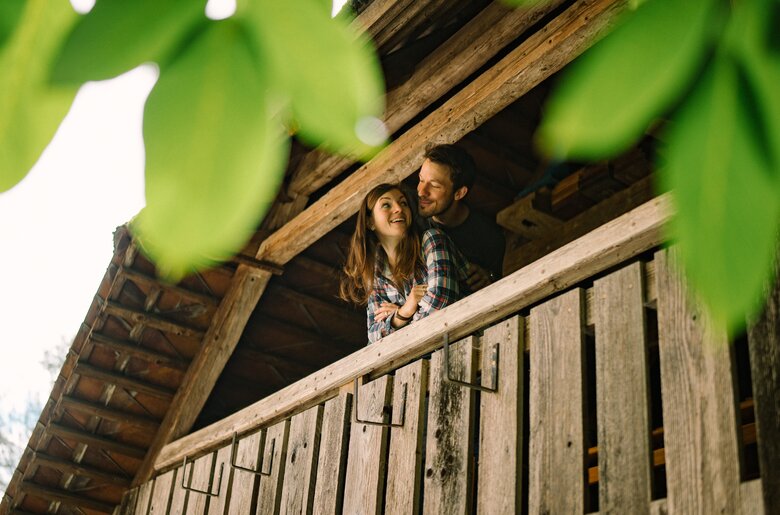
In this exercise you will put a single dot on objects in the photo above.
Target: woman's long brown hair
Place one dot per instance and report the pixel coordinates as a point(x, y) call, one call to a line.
point(358, 279)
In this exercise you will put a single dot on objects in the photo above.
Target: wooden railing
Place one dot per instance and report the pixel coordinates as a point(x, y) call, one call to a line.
point(438, 428)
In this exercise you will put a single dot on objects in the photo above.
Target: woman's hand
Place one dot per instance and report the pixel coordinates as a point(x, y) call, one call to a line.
point(385, 310)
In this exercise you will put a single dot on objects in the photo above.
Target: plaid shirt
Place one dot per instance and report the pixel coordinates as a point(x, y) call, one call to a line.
point(444, 271)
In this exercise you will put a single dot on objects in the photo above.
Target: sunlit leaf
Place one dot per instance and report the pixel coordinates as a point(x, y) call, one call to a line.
point(727, 209)
point(214, 156)
point(328, 73)
point(610, 96)
point(30, 109)
point(118, 35)
point(10, 13)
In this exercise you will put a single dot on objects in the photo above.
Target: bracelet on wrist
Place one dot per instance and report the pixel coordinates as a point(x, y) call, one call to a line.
point(400, 317)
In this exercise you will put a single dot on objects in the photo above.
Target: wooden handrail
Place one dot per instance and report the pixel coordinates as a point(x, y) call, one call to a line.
point(615, 242)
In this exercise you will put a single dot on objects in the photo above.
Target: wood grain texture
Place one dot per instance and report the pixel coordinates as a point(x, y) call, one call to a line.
point(366, 462)
point(764, 345)
point(448, 474)
point(613, 243)
point(622, 392)
point(274, 455)
point(179, 495)
point(700, 423)
point(244, 484)
point(500, 473)
point(556, 460)
point(332, 462)
point(163, 491)
point(144, 498)
point(300, 469)
point(223, 480)
point(127, 506)
point(202, 477)
point(404, 462)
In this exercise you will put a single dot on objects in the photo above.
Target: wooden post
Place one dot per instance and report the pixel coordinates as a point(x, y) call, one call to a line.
point(556, 462)
point(300, 471)
point(274, 454)
point(243, 490)
point(332, 465)
point(163, 491)
point(622, 389)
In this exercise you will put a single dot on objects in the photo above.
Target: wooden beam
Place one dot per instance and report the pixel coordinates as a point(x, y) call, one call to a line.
point(332, 311)
point(69, 467)
point(98, 410)
point(136, 350)
point(538, 57)
point(450, 64)
point(221, 339)
point(603, 248)
point(87, 370)
point(141, 278)
point(66, 497)
point(151, 320)
point(101, 442)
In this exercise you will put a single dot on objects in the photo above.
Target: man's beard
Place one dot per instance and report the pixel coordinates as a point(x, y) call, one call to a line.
point(442, 209)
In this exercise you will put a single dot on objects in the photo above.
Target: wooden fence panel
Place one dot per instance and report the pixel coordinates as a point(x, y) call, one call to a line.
point(501, 421)
point(622, 389)
point(404, 462)
point(365, 480)
point(764, 344)
point(332, 464)
point(244, 484)
point(144, 498)
point(300, 470)
point(201, 477)
point(447, 477)
point(127, 506)
point(223, 479)
point(700, 422)
point(179, 496)
point(274, 456)
point(556, 459)
point(163, 490)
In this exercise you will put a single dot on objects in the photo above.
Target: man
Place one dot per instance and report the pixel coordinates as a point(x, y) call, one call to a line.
point(445, 178)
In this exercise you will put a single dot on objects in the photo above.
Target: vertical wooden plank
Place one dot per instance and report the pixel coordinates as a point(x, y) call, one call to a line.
point(179, 496)
point(556, 459)
point(447, 477)
point(300, 469)
point(365, 479)
point(127, 507)
point(764, 344)
point(501, 420)
point(332, 462)
point(243, 489)
point(622, 393)
point(700, 424)
point(144, 498)
point(201, 477)
point(404, 462)
point(223, 480)
point(163, 490)
point(274, 455)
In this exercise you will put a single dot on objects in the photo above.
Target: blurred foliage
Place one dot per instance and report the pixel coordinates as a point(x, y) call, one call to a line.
point(216, 124)
point(702, 77)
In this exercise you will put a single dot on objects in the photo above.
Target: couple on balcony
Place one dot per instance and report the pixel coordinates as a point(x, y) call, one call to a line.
point(404, 266)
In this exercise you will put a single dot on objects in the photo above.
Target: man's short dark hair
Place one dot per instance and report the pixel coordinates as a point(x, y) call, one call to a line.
point(463, 171)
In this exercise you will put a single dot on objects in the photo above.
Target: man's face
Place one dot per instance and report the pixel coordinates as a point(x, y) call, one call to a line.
point(435, 189)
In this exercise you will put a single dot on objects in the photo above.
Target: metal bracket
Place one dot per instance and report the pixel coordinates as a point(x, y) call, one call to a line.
point(207, 491)
point(383, 424)
point(260, 471)
point(493, 368)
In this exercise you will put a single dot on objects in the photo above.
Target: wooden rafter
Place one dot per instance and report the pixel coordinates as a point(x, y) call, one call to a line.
point(68, 466)
point(101, 442)
point(151, 320)
point(65, 496)
point(98, 410)
point(136, 350)
point(118, 379)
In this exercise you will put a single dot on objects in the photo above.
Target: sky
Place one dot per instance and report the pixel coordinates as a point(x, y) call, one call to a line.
point(56, 225)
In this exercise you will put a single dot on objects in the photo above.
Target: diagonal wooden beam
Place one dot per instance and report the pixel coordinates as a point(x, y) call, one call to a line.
point(146, 280)
point(538, 57)
point(101, 442)
point(137, 351)
point(69, 402)
point(66, 497)
point(137, 316)
point(70, 467)
point(86, 370)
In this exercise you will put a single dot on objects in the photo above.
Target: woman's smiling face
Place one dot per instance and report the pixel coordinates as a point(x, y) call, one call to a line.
point(391, 215)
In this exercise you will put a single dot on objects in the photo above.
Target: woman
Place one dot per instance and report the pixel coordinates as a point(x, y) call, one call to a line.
point(401, 275)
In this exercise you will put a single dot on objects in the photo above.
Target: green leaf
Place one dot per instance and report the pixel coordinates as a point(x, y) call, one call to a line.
point(30, 109)
point(118, 35)
point(609, 97)
point(727, 210)
point(215, 157)
point(10, 13)
point(327, 72)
